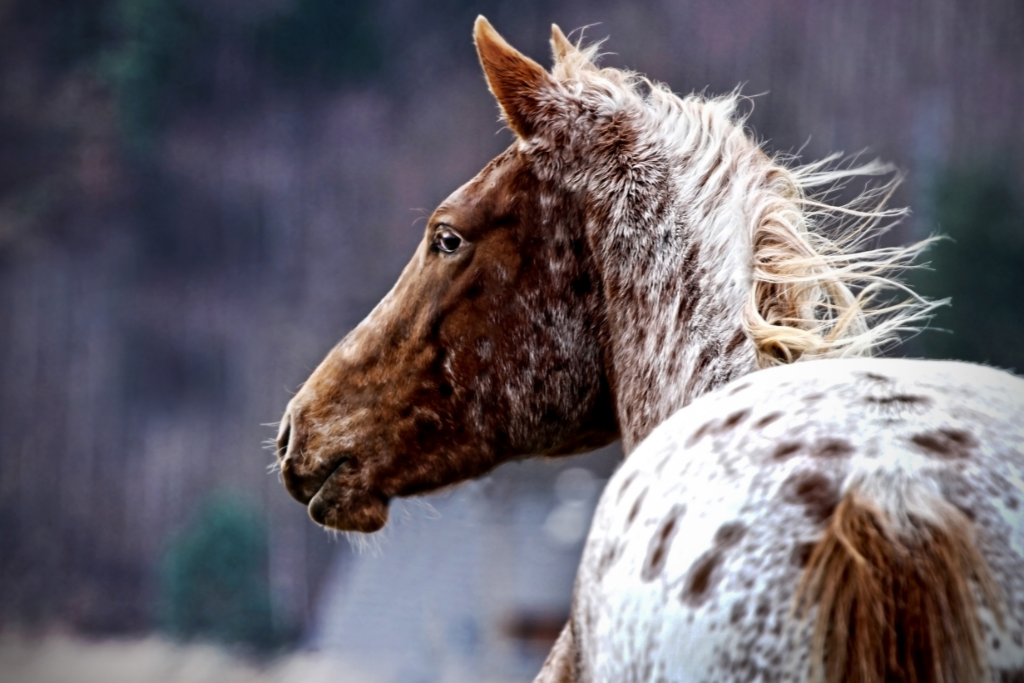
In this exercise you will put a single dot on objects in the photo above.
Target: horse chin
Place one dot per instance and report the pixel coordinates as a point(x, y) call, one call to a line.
point(347, 509)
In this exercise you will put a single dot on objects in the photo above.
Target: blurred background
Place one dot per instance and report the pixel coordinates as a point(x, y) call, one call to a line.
point(199, 198)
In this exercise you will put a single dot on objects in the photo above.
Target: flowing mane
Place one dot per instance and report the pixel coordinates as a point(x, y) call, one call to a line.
point(816, 292)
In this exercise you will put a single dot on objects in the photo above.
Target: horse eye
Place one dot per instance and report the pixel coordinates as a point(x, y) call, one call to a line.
point(447, 241)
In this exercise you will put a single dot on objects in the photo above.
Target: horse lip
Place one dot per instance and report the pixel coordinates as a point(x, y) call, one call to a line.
point(343, 465)
point(304, 489)
point(348, 508)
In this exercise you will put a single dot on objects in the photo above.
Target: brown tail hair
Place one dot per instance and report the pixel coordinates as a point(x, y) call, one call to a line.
point(896, 605)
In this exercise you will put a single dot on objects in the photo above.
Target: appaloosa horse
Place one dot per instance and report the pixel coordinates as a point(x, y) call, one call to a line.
point(635, 267)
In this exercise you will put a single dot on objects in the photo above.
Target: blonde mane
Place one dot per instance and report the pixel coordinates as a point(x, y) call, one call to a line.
point(818, 289)
point(817, 292)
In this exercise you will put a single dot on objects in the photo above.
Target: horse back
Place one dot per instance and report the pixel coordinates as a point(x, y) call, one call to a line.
point(837, 520)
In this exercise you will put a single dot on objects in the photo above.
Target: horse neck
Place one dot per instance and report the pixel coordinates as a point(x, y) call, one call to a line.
point(677, 278)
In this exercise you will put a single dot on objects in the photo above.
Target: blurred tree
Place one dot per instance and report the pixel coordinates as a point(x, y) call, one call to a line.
point(53, 113)
point(157, 63)
point(981, 267)
point(214, 583)
point(323, 41)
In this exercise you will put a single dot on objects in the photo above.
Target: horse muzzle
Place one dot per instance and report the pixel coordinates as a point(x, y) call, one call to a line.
point(328, 486)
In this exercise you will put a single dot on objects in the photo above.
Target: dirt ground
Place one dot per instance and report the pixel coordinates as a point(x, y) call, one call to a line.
point(65, 659)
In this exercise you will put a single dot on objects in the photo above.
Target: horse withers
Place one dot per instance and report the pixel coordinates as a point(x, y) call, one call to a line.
point(634, 266)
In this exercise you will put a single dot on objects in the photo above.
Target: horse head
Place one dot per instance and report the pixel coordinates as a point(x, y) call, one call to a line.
point(487, 348)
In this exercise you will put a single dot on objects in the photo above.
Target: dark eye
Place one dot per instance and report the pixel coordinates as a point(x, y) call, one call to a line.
point(446, 240)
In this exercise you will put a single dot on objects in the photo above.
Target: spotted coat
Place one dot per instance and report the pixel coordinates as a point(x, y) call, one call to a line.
point(702, 536)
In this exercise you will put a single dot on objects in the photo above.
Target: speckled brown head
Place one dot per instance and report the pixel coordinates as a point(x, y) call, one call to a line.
point(488, 348)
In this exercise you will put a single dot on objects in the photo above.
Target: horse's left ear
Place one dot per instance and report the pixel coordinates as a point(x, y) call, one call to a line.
point(516, 80)
point(560, 45)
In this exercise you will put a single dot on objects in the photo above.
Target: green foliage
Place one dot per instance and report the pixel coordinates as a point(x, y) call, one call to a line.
point(214, 579)
point(981, 267)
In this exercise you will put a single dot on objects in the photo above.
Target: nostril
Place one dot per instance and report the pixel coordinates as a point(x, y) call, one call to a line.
point(283, 438)
point(299, 487)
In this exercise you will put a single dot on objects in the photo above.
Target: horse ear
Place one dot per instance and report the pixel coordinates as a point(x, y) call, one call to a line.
point(560, 45)
point(515, 79)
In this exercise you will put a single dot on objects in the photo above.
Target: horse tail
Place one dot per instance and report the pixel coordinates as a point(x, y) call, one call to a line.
point(892, 580)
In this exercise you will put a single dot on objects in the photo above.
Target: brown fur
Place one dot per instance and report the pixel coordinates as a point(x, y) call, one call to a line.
point(895, 606)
